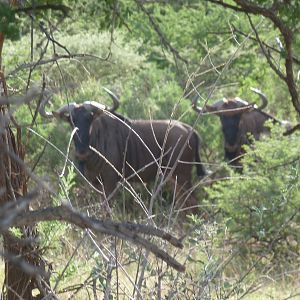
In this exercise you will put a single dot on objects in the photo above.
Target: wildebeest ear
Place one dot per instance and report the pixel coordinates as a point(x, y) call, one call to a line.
point(97, 113)
point(61, 116)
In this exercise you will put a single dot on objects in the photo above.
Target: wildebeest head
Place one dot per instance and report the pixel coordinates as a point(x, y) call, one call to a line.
point(80, 117)
point(231, 112)
point(111, 148)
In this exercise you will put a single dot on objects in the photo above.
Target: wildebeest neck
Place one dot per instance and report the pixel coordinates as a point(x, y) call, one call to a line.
point(230, 127)
point(80, 165)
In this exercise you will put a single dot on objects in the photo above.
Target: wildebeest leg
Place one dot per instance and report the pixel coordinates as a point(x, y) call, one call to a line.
point(182, 184)
point(233, 158)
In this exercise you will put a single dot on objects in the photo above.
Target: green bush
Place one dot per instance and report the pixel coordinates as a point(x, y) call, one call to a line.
point(262, 204)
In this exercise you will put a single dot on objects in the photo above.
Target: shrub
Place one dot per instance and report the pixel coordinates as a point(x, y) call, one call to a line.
point(262, 204)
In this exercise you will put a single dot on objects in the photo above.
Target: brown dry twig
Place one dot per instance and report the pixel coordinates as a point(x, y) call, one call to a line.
point(126, 231)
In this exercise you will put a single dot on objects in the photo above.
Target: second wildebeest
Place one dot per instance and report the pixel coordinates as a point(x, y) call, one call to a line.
point(241, 121)
point(110, 148)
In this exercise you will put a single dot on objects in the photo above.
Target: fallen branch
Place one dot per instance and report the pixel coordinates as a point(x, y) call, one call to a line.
point(126, 231)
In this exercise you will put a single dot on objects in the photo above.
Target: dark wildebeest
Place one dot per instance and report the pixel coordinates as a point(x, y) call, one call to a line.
point(110, 147)
point(239, 120)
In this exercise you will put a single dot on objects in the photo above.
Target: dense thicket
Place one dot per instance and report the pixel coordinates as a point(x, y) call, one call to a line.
point(153, 55)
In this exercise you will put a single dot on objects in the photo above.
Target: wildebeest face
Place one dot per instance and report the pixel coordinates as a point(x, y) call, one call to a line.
point(230, 127)
point(82, 119)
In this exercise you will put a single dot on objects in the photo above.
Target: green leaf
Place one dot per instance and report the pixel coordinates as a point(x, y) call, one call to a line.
point(8, 22)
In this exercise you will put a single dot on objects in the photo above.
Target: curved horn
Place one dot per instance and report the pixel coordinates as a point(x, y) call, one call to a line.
point(67, 108)
point(229, 107)
point(196, 108)
point(58, 113)
point(262, 96)
point(94, 106)
point(114, 98)
point(43, 113)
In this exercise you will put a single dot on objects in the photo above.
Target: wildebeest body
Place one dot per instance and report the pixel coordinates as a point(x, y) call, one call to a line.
point(110, 148)
point(140, 150)
point(241, 122)
point(240, 129)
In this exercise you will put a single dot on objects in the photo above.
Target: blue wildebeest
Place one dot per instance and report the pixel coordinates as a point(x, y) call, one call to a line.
point(240, 120)
point(110, 148)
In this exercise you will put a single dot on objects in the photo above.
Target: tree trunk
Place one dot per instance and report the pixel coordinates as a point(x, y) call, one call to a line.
point(17, 283)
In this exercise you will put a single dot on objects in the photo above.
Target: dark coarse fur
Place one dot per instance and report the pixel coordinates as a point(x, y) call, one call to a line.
point(140, 150)
point(110, 148)
point(240, 120)
point(250, 123)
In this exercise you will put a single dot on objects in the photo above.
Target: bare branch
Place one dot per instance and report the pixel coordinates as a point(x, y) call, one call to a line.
point(126, 231)
point(236, 30)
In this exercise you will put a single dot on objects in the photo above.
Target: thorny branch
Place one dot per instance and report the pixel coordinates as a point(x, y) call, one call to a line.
point(30, 95)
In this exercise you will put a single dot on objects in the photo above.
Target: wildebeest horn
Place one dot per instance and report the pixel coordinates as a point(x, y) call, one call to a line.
point(114, 98)
point(223, 106)
point(67, 108)
point(58, 113)
point(229, 107)
point(95, 106)
point(263, 98)
point(41, 109)
point(220, 107)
